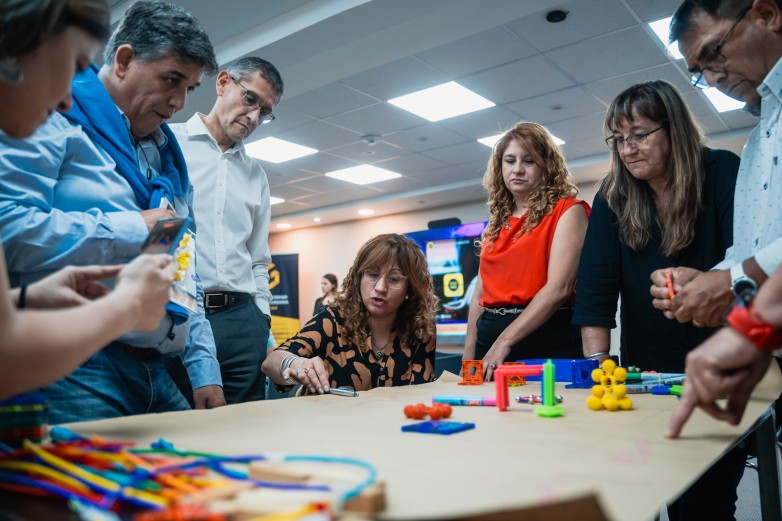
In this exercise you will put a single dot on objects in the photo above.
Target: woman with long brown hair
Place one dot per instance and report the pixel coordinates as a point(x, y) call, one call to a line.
point(522, 304)
point(379, 332)
point(667, 201)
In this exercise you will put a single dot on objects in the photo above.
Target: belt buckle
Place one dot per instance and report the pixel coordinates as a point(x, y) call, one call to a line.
point(501, 311)
point(210, 296)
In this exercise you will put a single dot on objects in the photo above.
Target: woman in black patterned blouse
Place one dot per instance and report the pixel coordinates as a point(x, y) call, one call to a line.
point(380, 331)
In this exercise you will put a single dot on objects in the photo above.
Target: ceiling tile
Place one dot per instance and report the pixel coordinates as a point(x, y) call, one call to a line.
point(414, 165)
point(425, 137)
point(285, 119)
point(320, 135)
point(518, 80)
point(457, 173)
point(651, 11)
point(607, 56)
point(610, 88)
point(483, 123)
point(319, 163)
point(461, 154)
point(330, 100)
point(363, 153)
point(584, 20)
point(557, 106)
point(397, 78)
point(477, 52)
point(582, 127)
point(380, 119)
point(737, 119)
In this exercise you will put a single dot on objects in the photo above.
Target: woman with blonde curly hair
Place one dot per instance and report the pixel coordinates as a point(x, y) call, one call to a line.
point(522, 304)
point(379, 332)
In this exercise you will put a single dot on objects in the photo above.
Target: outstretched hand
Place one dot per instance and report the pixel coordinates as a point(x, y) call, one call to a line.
point(71, 286)
point(727, 365)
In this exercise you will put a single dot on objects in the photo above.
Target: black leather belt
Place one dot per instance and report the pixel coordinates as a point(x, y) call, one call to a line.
point(224, 299)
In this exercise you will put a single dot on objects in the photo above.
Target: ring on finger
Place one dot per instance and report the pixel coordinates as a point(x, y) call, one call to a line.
point(306, 370)
point(299, 370)
point(493, 366)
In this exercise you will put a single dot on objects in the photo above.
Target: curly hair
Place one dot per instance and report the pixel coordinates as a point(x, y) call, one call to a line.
point(556, 182)
point(415, 316)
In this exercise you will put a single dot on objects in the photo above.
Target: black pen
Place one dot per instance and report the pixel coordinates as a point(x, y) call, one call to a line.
point(342, 391)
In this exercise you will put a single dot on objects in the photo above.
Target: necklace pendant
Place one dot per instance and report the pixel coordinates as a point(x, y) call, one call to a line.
point(379, 354)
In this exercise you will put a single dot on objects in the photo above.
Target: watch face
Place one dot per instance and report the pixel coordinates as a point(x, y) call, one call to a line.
point(744, 288)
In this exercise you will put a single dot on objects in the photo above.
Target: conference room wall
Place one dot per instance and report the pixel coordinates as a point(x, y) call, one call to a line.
point(332, 248)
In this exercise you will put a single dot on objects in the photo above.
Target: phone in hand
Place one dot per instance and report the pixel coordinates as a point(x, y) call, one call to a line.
point(165, 235)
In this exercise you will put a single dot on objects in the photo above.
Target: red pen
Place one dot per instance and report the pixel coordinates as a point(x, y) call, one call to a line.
point(669, 283)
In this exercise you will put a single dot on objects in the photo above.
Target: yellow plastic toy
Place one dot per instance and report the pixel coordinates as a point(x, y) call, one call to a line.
point(610, 392)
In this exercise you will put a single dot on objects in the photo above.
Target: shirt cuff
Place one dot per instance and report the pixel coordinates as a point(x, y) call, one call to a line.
point(130, 231)
point(203, 373)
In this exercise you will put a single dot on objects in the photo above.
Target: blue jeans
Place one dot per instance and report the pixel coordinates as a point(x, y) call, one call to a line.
point(113, 383)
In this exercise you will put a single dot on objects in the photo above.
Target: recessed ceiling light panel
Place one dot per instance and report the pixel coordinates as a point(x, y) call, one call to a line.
point(276, 150)
point(442, 102)
point(363, 174)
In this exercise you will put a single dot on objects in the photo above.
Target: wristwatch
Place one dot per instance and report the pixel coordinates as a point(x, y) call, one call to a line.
point(743, 319)
point(740, 282)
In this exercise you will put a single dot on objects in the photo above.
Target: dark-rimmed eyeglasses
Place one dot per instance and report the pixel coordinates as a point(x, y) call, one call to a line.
point(715, 61)
point(617, 143)
point(253, 102)
point(393, 280)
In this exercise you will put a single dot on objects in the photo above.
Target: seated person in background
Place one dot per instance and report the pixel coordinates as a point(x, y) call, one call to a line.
point(42, 44)
point(379, 332)
point(667, 201)
point(329, 285)
point(521, 307)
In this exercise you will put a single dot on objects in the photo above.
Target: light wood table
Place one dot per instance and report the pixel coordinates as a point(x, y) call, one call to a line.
point(511, 460)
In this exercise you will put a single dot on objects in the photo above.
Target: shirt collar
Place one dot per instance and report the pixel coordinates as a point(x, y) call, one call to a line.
point(197, 127)
point(157, 136)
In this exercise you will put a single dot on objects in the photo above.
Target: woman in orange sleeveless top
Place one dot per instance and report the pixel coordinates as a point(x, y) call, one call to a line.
point(522, 305)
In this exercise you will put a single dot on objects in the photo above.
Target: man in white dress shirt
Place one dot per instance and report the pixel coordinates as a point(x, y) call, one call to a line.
point(232, 212)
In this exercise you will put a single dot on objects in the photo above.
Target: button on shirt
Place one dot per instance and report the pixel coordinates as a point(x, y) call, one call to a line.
point(232, 208)
point(757, 216)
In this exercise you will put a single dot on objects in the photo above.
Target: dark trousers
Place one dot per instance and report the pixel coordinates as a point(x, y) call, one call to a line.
point(713, 496)
point(241, 333)
point(556, 338)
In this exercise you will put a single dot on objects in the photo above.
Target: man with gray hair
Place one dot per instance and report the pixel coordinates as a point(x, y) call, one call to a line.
point(90, 185)
point(233, 214)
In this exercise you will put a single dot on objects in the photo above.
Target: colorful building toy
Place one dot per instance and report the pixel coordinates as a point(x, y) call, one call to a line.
point(610, 392)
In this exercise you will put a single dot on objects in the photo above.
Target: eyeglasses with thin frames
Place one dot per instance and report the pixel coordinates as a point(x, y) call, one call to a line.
point(252, 101)
point(617, 143)
point(393, 280)
point(715, 61)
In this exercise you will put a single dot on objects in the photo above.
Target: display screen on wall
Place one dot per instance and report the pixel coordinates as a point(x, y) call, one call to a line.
point(452, 257)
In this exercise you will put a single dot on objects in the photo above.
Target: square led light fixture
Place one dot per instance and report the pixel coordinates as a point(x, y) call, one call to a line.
point(661, 29)
point(276, 150)
point(442, 102)
point(363, 174)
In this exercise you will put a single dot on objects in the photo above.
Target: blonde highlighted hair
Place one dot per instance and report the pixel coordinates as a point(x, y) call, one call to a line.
point(556, 183)
point(631, 199)
point(415, 316)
